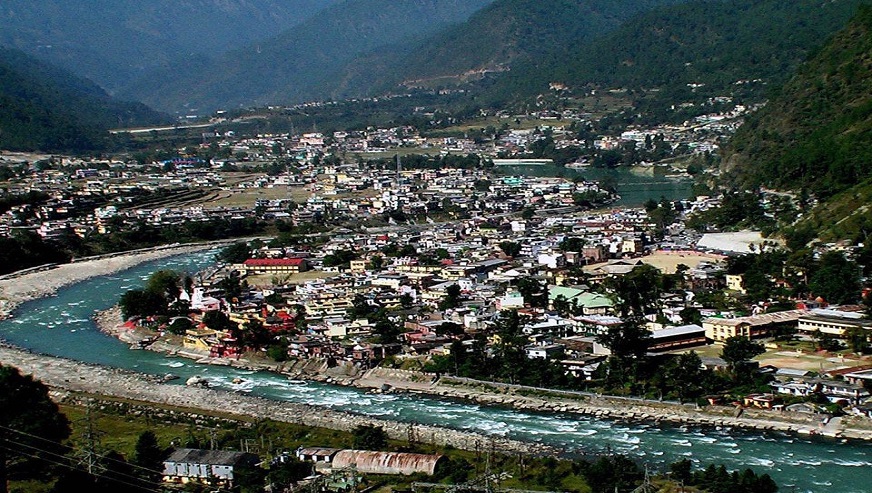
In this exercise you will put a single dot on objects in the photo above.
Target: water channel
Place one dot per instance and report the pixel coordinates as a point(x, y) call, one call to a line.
point(61, 326)
point(634, 185)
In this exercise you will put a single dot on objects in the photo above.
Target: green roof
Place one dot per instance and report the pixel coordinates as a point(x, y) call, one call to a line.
point(568, 293)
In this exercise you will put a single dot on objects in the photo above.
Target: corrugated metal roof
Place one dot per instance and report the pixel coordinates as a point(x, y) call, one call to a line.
point(369, 462)
point(210, 457)
point(319, 451)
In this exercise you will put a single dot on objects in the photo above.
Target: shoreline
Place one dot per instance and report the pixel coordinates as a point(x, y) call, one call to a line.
point(595, 406)
point(62, 374)
point(44, 281)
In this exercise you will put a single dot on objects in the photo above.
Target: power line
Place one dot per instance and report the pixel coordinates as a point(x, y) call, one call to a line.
point(136, 466)
point(75, 468)
point(61, 456)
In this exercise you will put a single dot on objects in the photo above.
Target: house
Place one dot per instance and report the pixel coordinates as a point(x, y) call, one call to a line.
point(546, 352)
point(736, 282)
point(187, 465)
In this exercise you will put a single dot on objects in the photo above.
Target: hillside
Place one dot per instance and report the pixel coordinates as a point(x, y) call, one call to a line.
point(511, 31)
point(46, 108)
point(816, 133)
point(710, 43)
point(303, 62)
point(111, 41)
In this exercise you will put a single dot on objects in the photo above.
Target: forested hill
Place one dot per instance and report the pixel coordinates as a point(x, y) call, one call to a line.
point(511, 31)
point(112, 41)
point(302, 63)
point(816, 133)
point(712, 45)
point(46, 108)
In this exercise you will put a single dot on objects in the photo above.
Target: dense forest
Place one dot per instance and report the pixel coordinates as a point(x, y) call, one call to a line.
point(816, 132)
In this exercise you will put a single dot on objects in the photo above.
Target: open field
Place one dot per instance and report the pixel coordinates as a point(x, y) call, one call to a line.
point(520, 123)
point(668, 262)
point(799, 360)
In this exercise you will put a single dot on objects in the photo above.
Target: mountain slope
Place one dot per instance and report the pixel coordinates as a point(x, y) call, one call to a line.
point(46, 108)
point(111, 41)
point(715, 43)
point(817, 132)
point(509, 31)
point(297, 64)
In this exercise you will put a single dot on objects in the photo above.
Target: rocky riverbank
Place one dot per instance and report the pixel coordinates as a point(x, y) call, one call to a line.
point(40, 282)
point(539, 400)
point(65, 375)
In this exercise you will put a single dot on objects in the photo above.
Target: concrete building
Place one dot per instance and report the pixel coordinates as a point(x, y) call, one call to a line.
point(721, 329)
point(187, 465)
point(832, 322)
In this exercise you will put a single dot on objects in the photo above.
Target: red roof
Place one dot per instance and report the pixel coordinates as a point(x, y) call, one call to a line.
point(273, 262)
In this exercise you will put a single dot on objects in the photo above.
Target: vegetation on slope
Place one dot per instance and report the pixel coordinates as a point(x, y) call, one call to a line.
point(816, 134)
point(711, 44)
point(48, 109)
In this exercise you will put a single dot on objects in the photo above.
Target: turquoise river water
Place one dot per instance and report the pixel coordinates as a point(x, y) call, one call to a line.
point(61, 326)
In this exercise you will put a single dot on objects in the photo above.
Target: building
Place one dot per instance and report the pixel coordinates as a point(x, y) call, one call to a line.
point(832, 322)
point(736, 282)
point(187, 465)
point(721, 329)
point(273, 266)
point(672, 338)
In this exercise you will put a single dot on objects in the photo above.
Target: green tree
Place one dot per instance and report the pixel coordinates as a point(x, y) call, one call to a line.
point(451, 299)
point(139, 302)
point(836, 279)
point(283, 475)
point(167, 283)
point(737, 351)
point(510, 248)
point(29, 421)
point(685, 374)
point(235, 253)
point(528, 213)
point(218, 320)
point(376, 262)
point(148, 456)
point(637, 293)
point(369, 437)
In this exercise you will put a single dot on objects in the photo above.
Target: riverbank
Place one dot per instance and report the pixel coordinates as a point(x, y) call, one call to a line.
point(44, 281)
point(518, 397)
point(61, 375)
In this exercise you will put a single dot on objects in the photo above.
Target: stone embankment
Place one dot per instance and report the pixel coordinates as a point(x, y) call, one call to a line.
point(620, 409)
point(66, 375)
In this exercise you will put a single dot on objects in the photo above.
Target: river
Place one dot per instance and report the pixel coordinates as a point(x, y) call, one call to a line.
point(635, 185)
point(61, 326)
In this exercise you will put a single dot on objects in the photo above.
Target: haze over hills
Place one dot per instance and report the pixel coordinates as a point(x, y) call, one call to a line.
point(49, 109)
point(299, 64)
point(112, 41)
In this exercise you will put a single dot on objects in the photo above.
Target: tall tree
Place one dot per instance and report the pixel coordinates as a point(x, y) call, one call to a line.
point(737, 351)
point(29, 421)
point(148, 456)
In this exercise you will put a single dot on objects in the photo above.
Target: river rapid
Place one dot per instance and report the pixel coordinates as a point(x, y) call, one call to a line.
point(62, 326)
